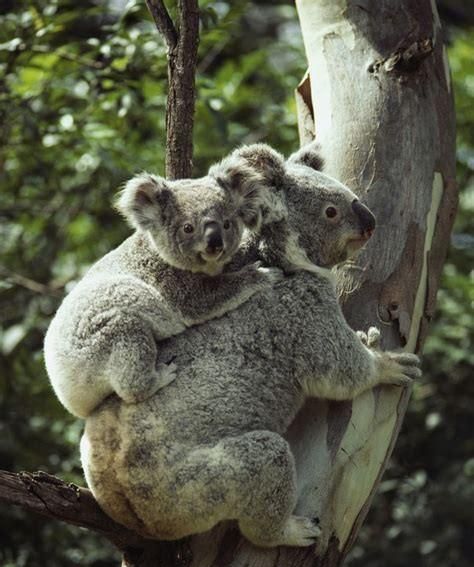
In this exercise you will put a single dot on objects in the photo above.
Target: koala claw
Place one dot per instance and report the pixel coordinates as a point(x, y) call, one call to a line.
point(165, 374)
point(300, 532)
point(373, 337)
point(363, 337)
point(399, 368)
point(410, 364)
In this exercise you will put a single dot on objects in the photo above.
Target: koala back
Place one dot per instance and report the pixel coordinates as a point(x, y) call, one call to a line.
point(238, 374)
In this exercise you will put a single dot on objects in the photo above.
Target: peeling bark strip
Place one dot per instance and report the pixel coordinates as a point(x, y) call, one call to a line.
point(182, 42)
point(404, 60)
point(305, 112)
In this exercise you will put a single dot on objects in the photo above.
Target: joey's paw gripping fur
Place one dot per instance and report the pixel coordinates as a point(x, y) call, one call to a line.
point(165, 374)
point(274, 275)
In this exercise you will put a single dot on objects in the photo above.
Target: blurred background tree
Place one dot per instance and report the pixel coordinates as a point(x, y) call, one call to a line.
point(82, 106)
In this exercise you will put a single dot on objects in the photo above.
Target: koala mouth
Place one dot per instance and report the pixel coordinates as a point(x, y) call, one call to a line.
point(356, 243)
point(211, 256)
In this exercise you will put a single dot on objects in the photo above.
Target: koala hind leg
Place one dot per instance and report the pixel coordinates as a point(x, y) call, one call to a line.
point(266, 519)
point(250, 478)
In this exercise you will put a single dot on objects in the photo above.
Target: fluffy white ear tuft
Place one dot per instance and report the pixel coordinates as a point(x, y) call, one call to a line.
point(264, 159)
point(251, 173)
point(142, 200)
point(244, 184)
point(309, 155)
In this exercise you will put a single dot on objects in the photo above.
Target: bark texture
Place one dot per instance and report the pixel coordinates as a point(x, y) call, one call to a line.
point(182, 42)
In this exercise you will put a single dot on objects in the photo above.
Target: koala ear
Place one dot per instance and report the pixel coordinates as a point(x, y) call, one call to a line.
point(245, 186)
point(249, 173)
point(309, 155)
point(143, 200)
point(265, 160)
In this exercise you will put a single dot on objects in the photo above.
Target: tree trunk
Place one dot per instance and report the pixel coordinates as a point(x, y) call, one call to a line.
point(382, 107)
point(182, 61)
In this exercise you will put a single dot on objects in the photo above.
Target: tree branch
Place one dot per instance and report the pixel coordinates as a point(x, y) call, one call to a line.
point(54, 289)
point(182, 62)
point(51, 497)
point(163, 22)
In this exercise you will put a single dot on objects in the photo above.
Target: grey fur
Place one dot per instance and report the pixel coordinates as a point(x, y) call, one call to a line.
point(161, 280)
point(209, 447)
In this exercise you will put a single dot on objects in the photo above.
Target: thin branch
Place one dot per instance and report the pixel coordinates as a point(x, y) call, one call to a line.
point(163, 22)
point(182, 65)
point(188, 20)
point(54, 289)
point(51, 497)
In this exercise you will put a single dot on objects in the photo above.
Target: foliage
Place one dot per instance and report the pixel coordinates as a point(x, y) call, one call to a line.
point(82, 103)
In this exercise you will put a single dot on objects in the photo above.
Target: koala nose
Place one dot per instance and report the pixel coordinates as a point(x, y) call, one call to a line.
point(213, 238)
point(366, 218)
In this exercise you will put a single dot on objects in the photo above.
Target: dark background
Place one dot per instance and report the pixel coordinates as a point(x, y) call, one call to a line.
point(82, 108)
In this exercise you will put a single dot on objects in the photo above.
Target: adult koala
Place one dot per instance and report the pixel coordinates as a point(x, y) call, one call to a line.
point(209, 446)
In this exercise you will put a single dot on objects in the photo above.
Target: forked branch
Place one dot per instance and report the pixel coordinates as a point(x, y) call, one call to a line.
point(163, 22)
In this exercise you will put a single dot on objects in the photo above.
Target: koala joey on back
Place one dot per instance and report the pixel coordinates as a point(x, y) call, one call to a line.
point(164, 278)
point(210, 446)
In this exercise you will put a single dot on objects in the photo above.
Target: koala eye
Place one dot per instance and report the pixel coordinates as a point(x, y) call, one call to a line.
point(188, 228)
point(331, 212)
point(226, 225)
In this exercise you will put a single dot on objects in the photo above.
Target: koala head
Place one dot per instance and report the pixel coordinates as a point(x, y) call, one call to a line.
point(307, 216)
point(195, 224)
point(331, 222)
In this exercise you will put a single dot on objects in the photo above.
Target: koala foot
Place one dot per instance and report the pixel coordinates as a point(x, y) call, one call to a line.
point(371, 339)
point(398, 368)
point(165, 374)
point(300, 531)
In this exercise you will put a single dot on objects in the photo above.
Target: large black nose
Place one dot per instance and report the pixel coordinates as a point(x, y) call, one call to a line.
point(213, 238)
point(367, 219)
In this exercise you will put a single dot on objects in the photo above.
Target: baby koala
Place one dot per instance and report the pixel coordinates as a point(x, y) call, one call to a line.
point(164, 278)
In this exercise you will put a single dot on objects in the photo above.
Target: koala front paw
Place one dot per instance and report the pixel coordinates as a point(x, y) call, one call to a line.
point(371, 339)
point(398, 368)
point(165, 374)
